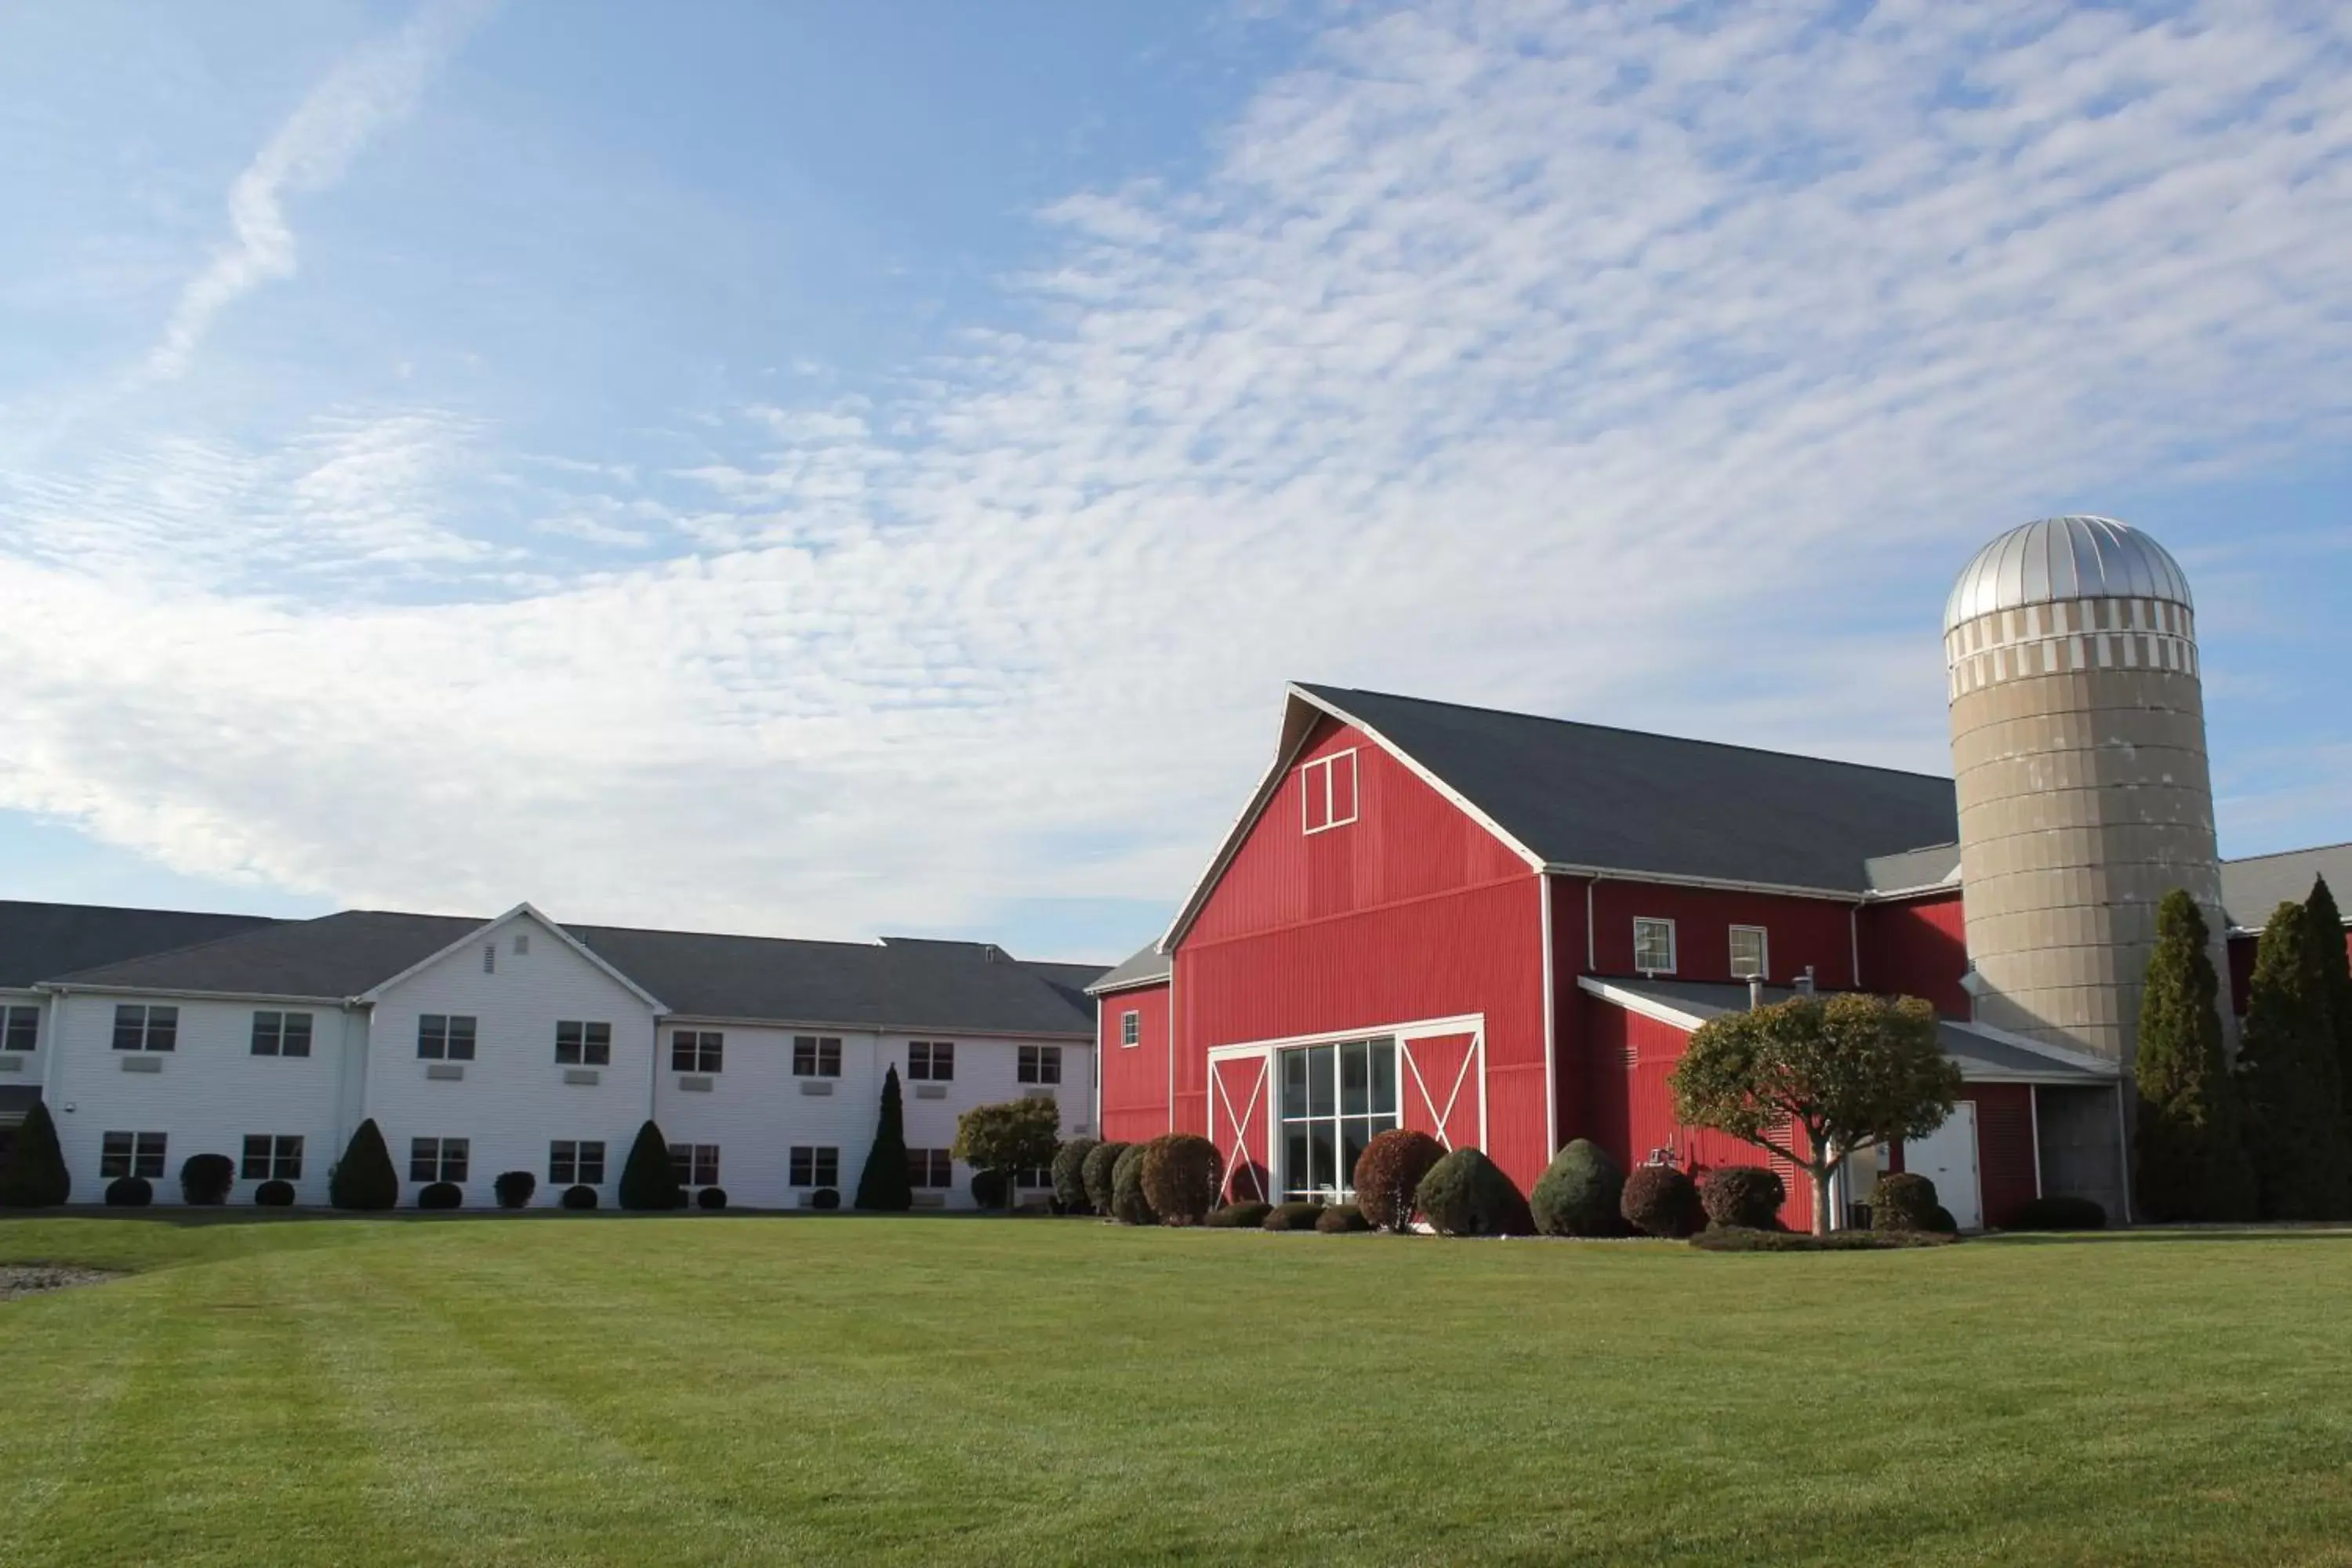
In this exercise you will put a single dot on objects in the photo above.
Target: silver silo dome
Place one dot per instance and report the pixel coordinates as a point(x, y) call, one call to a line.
point(2058, 559)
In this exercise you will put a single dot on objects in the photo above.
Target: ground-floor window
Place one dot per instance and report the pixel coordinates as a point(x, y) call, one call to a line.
point(696, 1164)
point(576, 1163)
point(272, 1157)
point(815, 1167)
point(437, 1159)
point(1334, 1099)
point(1039, 1064)
point(930, 1167)
point(130, 1155)
point(1039, 1177)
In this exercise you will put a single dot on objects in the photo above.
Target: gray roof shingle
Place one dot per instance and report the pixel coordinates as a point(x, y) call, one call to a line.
point(41, 939)
point(2252, 888)
point(1143, 967)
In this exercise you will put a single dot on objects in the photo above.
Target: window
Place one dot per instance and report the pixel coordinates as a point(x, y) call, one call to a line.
point(522, 944)
point(489, 958)
point(697, 1164)
point(576, 1164)
point(1041, 1064)
point(281, 1034)
point(1751, 952)
point(816, 1055)
point(22, 1028)
point(931, 1060)
point(1333, 1099)
point(140, 1028)
point(1037, 1176)
point(584, 1045)
point(445, 1037)
point(930, 1167)
point(272, 1158)
point(1653, 946)
point(130, 1155)
point(693, 1050)
point(1327, 791)
point(815, 1167)
point(436, 1159)
point(1130, 1027)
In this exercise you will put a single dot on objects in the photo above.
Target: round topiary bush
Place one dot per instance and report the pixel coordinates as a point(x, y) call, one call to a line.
point(710, 1198)
point(825, 1198)
point(514, 1188)
point(1746, 1197)
point(1183, 1173)
point(578, 1198)
point(2057, 1212)
point(130, 1193)
point(1070, 1175)
point(989, 1187)
point(275, 1195)
point(1579, 1193)
point(441, 1196)
point(1941, 1221)
point(1299, 1214)
point(1096, 1173)
point(1388, 1176)
point(1903, 1201)
point(1660, 1200)
point(207, 1178)
point(1248, 1214)
point(1466, 1193)
point(1129, 1205)
point(1340, 1218)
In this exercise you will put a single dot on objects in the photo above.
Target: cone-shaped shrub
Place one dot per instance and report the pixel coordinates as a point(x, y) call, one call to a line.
point(1128, 1204)
point(1101, 1162)
point(36, 1176)
point(130, 1193)
point(2189, 1160)
point(364, 1178)
point(1579, 1193)
point(578, 1198)
point(1299, 1214)
point(1660, 1200)
point(1904, 1200)
point(2294, 1103)
point(1248, 1214)
point(1388, 1176)
point(441, 1196)
point(514, 1188)
point(649, 1181)
point(884, 1185)
point(1466, 1193)
point(275, 1195)
point(1070, 1175)
point(1183, 1173)
point(1746, 1196)
point(1342, 1218)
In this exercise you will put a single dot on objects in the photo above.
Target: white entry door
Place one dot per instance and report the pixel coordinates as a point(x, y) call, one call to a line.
point(1947, 1157)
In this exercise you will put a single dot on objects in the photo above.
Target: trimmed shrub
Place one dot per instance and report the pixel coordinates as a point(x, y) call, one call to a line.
point(1183, 1173)
point(1466, 1193)
point(2060, 1211)
point(514, 1188)
point(989, 1187)
point(1579, 1193)
point(649, 1180)
point(2190, 1157)
point(34, 1176)
point(205, 1179)
point(130, 1193)
point(578, 1198)
point(1388, 1176)
point(710, 1198)
point(1070, 1175)
point(1010, 1135)
point(1340, 1219)
point(825, 1198)
point(1743, 1198)
point(441, 1196)
point(1248, 1214)
point(1299, 1214)
point(1737, 1238)
point(1942, 1223)
point(1660, 1200)
point(886, 1186)
point(364, 1179)
point(1129, 1205)
point(275, 1195)
point(1903, 1201)
point(1095, 1174)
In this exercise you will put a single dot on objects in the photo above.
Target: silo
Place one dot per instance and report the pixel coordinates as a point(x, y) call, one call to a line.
point(2078, 741)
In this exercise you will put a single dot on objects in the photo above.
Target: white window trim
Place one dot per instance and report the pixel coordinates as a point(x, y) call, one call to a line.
point(1763, 951)
point(1322, 767)
point(1130, 1029)
point(1673, 944)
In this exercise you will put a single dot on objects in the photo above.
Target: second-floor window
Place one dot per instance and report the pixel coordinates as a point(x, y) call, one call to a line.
point(1751, 954)
point(576, 1163)
point(281, 1034)
point(436, 1159)
point(1653, 946)
point(815, 1167)
point(696, 1164)
point(1130, 1027)
point(932, 1060)
point(696, 1051)
point(932, 1168)
point(130, 1155)
point(1040, 1064)
point(138, 1028)
point(20, 1028)
point(272, 1157)
point(819, 1056)
point(444, 1036)
point(584, 1045)
point(1327, 790)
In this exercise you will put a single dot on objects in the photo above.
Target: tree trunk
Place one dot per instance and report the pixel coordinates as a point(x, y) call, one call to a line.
point(1822, 1198)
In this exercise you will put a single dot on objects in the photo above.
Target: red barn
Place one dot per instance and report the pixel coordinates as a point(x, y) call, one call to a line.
point(1502, 928)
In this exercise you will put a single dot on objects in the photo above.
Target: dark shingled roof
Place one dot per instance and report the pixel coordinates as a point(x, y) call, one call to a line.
point(1580, 794)
point(2254, 887)
point(40, 941)
point(331, 957)
point(1146, 967)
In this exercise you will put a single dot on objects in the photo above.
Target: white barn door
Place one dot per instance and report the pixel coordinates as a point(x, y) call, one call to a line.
point(1947, 1157)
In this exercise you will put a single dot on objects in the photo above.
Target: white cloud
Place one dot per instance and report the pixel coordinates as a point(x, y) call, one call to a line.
point(1654, 371)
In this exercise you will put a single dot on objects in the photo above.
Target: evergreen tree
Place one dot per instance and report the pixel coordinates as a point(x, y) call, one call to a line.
point(364, 1177)
point(649, 1181)
point(2190, 1156)
point(884, 1185)
point(36, 1176)
point(2287, 1065)
point(2336, 983)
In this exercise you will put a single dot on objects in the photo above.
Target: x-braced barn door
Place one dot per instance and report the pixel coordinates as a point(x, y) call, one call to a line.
point(1238, 1109)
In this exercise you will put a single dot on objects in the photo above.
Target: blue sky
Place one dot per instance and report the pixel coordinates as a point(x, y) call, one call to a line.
point(834, 469)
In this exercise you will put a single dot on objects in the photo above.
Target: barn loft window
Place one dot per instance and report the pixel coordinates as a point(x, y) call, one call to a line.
point(1653, 946)
point(1751, 953)
point(1130, 1027)
point(1327, 790)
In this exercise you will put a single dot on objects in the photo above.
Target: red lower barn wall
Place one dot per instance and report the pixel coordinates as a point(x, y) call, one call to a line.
point(2005, 1162)
point(1134, 1078)
point(1919, 947)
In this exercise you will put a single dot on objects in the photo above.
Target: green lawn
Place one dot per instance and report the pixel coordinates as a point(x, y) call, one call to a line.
point(735, 1389)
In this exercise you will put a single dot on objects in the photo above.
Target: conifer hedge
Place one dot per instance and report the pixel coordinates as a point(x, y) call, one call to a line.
point(649, 1180)
point(1101, 1163)
point(2335, 981)
point(36, 1176)
point(1070, 1175)
point(2189, 1153)
point(886, 1186)
point(2287, 1065)
point(364, 1179)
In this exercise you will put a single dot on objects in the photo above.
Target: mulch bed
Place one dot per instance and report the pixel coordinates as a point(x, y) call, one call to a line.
point(29, 1278)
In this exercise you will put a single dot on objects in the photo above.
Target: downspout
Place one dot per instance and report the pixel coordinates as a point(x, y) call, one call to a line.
point(1172, 1042)
point(1853, 935)
point(1551, 1042)
point(2123, 1152)
point(1591, 943)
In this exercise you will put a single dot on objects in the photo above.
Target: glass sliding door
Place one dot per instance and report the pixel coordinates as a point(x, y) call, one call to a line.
point(1333, 1099)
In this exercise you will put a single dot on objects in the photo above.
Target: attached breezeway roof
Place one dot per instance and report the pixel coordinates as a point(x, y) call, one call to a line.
point(1148, 966)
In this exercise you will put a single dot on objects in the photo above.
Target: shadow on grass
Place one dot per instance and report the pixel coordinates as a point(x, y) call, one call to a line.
point(2312, 1231)
point(187, 1217)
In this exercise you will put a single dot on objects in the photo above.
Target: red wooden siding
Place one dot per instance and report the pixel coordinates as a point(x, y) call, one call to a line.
point(1134, 1078)
point(1917, 947)
point(1438, 1088)
point(1240, 1093)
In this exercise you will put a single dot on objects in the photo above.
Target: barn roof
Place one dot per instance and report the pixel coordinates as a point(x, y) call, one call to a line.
point(1146, 966)
point(2252, 888)
point(39, 939)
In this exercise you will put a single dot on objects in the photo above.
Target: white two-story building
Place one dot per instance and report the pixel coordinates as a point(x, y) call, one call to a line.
point(518, 1043)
